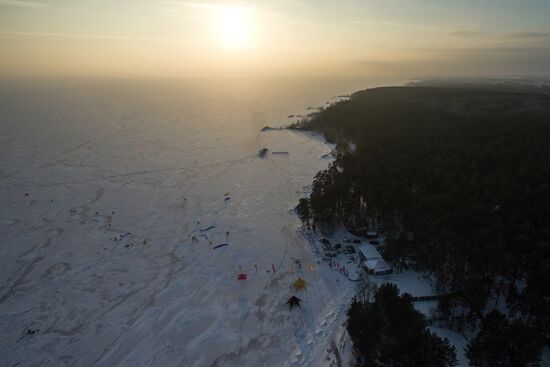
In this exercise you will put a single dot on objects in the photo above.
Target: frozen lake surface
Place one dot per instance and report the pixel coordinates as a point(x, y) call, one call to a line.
point(104, 185)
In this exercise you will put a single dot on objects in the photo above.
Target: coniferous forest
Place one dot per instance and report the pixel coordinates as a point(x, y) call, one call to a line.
point(390, 332)
point(458, 179)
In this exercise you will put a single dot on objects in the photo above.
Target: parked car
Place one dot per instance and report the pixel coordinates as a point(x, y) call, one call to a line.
point(349, 250)
point(330, 253)
point(374, 242)
point(347, 240)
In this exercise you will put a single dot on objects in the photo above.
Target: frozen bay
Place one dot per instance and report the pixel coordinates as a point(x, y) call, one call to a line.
point(105, 184)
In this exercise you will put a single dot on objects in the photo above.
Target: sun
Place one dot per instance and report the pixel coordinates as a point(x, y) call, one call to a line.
point(234, 26)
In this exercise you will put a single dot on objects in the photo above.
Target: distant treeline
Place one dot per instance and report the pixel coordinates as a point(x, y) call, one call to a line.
point(459, 181)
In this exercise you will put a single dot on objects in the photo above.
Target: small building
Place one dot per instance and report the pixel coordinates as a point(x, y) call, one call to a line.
point(368, 252)
point(372, 261)
point(372, 234)
point(377, 267)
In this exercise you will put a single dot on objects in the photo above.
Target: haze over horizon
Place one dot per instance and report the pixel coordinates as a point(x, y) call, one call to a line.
point(396, 38)
point(287, 183)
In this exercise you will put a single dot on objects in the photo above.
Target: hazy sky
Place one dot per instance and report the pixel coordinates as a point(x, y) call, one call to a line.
point(405, 38)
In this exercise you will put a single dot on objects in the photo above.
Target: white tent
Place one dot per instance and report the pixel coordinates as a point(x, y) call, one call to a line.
point(353, 272)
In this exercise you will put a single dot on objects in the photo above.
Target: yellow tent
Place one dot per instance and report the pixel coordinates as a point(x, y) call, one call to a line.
point(299, 284)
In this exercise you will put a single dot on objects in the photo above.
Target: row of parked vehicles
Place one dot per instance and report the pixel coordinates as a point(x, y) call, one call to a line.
point(327, 248)
point(332, 251)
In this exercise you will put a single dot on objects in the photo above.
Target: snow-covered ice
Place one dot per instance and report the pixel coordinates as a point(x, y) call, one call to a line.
point(103, 189)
